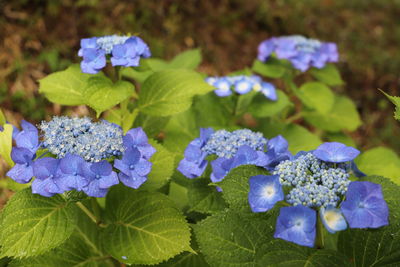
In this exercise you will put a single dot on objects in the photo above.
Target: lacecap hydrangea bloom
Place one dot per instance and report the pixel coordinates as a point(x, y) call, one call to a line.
point(124, 51)
point(232, 149)
point(318, 184)
point(227, 85)
point(82, 156)
point(302, 52)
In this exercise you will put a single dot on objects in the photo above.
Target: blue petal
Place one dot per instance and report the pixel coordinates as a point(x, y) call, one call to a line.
point(133, 180)
point(269, 91)
point(191, 169)
point(332, 219)
point(45, 168)
point(102, 168)
point(22, 155)
point(108, 180)
point(21, 173)
point(279, 144)
point(71, 164)
point(335, 152)
point(93, 189)
point(264, 192)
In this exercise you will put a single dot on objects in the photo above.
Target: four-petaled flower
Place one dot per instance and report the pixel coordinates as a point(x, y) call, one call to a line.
point(265, 192)
point(46, 171)
point(335, 152)
point(100, 176)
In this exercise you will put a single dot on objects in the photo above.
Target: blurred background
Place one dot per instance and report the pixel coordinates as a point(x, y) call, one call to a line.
point(39, 37)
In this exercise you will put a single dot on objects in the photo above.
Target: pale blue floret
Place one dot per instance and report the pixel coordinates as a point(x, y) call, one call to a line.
point(333, 219)
point(224, 144)
point(80, 136)
point(107, 43)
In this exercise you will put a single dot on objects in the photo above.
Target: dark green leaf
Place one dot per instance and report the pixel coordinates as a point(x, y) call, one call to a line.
point(271, 69)
point(204, 198)
point(262, 107)
point(328, 75)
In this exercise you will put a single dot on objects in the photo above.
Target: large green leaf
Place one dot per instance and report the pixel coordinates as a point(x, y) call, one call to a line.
point(328, 75)
point(169, 92)
point(376, 247)
point(162, 168)
point(32, 224)
point(204, 198)
point(380, 161)
point(318, 96)
point(281, 253)
point(145, 228)
point(66, 87)
point(151, 125)
point(235, 186)
point(271, 69)
point(6, 143)
point(342, 116)
point(231, 239)
point(83, 248)
point(189, 59)
point(102, 94)
point(212, 104)
point(262, 107)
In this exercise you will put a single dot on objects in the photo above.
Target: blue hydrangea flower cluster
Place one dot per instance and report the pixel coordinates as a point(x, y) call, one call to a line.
point(232, 149)
point(302, 52)
point(318, 183)
point(125, 51)
point(80, 136)
point(242, 85)
point(84, 152)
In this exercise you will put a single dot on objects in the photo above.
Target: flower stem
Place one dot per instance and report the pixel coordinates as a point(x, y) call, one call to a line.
point(93, 217)
point(320, 234)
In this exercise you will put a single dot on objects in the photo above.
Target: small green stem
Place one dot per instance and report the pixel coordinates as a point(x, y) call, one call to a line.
point(295, 117)
point(320, 234)
point(93, 217)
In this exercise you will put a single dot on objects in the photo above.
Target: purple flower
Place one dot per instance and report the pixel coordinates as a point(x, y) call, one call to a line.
point(93, 60)
point(335, 152)
point(87, 43)
point(297, 224)
point(194, 163)
point(128, 54)
point(46, 171)
point(137, 138)
point(332, 219)
point(277, 152)
point(223, 86)
point(134, 169)
point(243, 86)
point(265, 191)
point(364, 206)
point(221, 167)
point(269, 91)
point(100, 176)
point(71, 168)
point(28, 137)
point(22, 172)
point(265, 49)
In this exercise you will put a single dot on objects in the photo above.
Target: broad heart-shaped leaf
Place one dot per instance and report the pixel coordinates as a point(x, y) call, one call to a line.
point(342, 116)
point(204, 198)
point(329, 75)
point(169, 92)
point(396, 101)
point(273, 68)
point(281, 253)
point(145, 228)
point(317, 96)
point(150, 124)
point(299, 138)
point(189, 59)
point(102, 94)
point(376, 247)
point(66, 87)
point(135, 74)
point(32, 224)
point(83, 248)
point(231, 239)
point(380, 161)
point(235, 186)
point(210, 103)
point(262, 107)
point(162, 168)
point(6, 143)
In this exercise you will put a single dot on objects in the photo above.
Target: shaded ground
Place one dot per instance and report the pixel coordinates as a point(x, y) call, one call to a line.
point(39, 37)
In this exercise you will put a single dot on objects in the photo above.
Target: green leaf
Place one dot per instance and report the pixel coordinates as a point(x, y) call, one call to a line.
point(169, 92)
point(271, 69)
point(83, 248)
point(342, 116)
point(162, 169)
point(102, 94)
point(151, 125)
point(211, 104)
point(189, 59)
point(282, 253)
point(299, 138)
point(235, 186)
point(145, 228)
point(341, 138)
point(135, 74)
point(329, 75)
point(6, 144)
point(318, 96)
point(32, 224)
point(230, 239)
point(204, 198)
point(376, 247)
point(263, 107)
point(66, 87)
point(396, 101)
point(380, 161)
point(243, 102)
